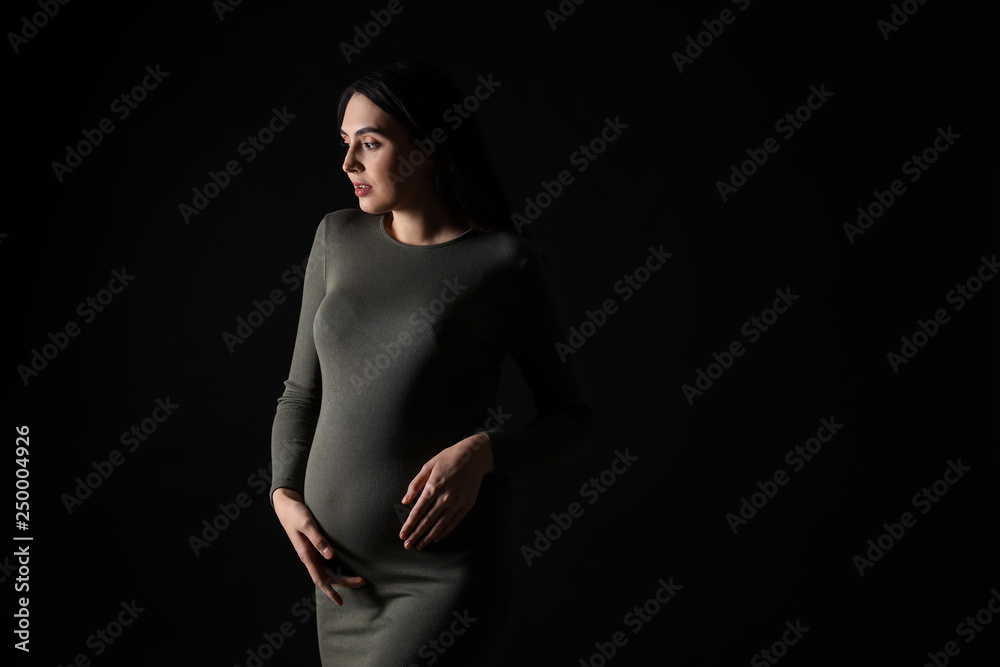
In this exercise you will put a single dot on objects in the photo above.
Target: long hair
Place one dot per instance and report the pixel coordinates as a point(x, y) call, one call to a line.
point(419, 96)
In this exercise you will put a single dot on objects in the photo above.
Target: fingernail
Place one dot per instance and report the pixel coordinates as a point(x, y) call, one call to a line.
point(327, 552)
point(406, 499)
point(407, 544)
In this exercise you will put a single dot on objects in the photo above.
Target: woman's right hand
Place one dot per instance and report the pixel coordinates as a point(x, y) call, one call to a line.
point(309, 543)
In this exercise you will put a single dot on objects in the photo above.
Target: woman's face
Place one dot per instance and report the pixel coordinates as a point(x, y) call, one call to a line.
point(377, 144)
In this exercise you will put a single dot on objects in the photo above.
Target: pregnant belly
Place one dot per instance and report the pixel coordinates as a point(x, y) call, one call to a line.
point(358, 470)
point(355, 499)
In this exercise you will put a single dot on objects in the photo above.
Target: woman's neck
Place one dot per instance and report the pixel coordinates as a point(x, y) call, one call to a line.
point(423, 227)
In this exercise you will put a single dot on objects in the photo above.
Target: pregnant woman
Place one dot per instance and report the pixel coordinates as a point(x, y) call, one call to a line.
point(390, 477)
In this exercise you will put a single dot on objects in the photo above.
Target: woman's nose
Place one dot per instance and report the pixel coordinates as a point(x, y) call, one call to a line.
point(350, 161)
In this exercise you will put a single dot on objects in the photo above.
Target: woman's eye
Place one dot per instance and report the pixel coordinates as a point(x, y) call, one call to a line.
point(369, 145)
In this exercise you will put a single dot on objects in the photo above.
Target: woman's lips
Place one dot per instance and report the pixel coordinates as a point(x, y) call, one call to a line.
point(361, 189)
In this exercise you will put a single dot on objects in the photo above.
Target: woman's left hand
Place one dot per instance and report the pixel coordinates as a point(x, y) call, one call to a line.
point(447, 486)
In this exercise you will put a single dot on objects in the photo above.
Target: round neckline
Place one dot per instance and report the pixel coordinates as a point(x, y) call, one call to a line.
point(385, 234)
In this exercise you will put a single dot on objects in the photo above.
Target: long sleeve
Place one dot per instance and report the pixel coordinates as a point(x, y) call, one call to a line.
point(298, 407)
point(564, 424)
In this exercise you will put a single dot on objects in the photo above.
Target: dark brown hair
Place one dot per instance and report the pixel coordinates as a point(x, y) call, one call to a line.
point(418, 95)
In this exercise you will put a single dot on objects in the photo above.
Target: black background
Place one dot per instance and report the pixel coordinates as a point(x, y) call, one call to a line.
point(654, 185)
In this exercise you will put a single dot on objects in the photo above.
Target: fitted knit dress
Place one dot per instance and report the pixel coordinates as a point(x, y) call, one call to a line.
point(397, 357)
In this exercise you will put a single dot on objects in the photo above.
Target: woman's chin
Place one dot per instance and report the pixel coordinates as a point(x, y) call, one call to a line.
point(370, 207)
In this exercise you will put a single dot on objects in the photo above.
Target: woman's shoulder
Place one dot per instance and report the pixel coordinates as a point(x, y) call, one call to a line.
point(344, 219)
point(511, 249)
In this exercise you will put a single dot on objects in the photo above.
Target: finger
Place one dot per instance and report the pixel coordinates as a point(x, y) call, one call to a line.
point(329, 591)
point(328, 579)
point(424, 503)
point(444, 528)
point(325, 579)
point(425, 527)
point(333, 595)
point(349, 582)
point(417, 483)
point(310, 529)
point(321, 579)
point(410, 522)
point(303, 525)
point(421, 520)
point(343, 580)
point(303, 547)
point(444, 520)
point(453, 521)
point(429, 520)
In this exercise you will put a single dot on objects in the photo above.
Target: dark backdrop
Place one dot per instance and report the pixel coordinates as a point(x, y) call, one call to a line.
point(127, 552)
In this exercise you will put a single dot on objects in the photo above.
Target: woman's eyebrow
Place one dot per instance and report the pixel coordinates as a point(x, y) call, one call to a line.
point(366, 130)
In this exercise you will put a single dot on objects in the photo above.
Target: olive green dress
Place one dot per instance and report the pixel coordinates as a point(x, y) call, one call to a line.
point(397, 357)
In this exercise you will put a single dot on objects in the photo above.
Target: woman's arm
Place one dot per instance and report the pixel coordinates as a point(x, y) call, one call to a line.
point(298, 407)
point(448, 485)
point(564, 423)
point(292, 434)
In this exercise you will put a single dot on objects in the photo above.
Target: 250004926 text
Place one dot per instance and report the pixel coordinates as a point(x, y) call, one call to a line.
point(21, 518)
